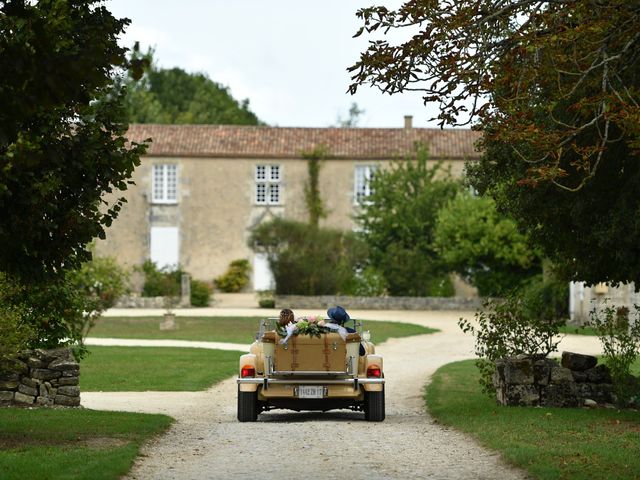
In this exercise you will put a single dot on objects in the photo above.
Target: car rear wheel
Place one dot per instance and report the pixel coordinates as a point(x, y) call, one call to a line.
point(247, 406)
point(374, 406)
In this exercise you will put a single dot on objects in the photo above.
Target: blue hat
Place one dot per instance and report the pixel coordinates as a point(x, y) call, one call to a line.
point(338, 314)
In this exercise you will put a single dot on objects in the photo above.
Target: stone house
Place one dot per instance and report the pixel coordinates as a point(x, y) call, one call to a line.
point(201, 189)
point(583, 299)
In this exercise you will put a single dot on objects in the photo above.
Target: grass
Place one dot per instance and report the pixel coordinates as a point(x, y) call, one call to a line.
point(138, 369)
point(578, 330)
point(224, 329)
point(52, 444)
point(549, 443)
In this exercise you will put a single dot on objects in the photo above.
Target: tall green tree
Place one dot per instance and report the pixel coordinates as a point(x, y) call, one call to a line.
point(178, 97)
point(398, 223)
point(484, 246)
point(555, 88)
point(60, 151)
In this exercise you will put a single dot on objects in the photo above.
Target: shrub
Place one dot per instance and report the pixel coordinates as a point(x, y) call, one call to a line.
point(369, 282)
point(163, 282)
point(235, 278)
point(504, 330)
point(200, 293)
point(545, 299)
point(102, 281)
point(266, 300)
point(306, 260)
point(15, 333)
point(621, 343)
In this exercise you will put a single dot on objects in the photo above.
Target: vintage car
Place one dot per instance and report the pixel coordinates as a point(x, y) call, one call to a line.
point(322, 372)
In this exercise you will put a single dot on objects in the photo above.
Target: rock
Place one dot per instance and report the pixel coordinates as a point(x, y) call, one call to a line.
point(518, 370)
point(22, 398)
point(69, 391)
point(6, 396)
point(577, 361)
point(71, 373)
point(590, 403)
point(49, 356)
point(44, 401)
point(63, 364)
point(599, 374)
point(67, 401)
point(44, 374)
point(542, 370)
point(35, 362)
point(9, 384)
point(561, 375)
point(30, 382)
point(28, 390)
point(580, 377)
point(562, 395)
point(68, 381)
point(518, 395)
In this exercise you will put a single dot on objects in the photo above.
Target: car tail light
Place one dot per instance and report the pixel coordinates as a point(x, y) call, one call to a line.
point(248, 371)
point(374, 371)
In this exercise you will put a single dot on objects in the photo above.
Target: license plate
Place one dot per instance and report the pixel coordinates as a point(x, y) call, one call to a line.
point(310, 391)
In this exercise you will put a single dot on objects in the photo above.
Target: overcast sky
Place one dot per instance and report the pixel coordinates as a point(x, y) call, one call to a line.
point(288, 57)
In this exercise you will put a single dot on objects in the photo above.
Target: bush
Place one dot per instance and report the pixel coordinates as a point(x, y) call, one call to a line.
point(200, 293)
point(162, 282)
point(369, 282)
point(102, 281)
point(307, 260)
point(235, 278)
point(15, 333)
point(621, 343)
point(504, 330)
point(545, 299)
point(266, 300)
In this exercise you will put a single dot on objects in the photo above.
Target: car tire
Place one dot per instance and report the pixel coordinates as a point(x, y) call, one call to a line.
point(374, 406)
point(247, 406)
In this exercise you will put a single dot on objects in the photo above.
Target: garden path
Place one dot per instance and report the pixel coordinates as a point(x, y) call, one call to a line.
point(206, 440)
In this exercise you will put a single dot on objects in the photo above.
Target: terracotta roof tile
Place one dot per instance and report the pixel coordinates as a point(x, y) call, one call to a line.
point(232, 141)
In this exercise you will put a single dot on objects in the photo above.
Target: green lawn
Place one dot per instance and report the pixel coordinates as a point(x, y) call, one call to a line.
point(137, 369)
point(549, 443)
point(578, 330)
point(224, 329)
point(51, 444)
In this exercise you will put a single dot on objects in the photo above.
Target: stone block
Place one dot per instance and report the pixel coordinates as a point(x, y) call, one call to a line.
point(30, 382)
point(64, 381)
point(518, 371)
point(9, 384)
point(63, 364)
point(562, 395)
point(561, 375)
point(44, 374)
point(22, 398)
point(49, 356)
point(6, 396)
point(44, 401)
point(35, 362)
point(70, 391)
point(577, 361)
point(518, 395)
point(71, 373)
point(67, 401)
point(590, 403)
point(580, 377)
point(542, 370)
point(22, 388)
point(599, 374)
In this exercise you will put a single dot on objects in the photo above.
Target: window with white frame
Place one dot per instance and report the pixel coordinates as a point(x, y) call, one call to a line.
point(268, 190)
point(165, 183)
point(362, 187)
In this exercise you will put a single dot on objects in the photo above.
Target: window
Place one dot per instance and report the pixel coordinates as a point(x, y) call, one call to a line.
point(165, 183)
point(363, 176)
point(268, 184)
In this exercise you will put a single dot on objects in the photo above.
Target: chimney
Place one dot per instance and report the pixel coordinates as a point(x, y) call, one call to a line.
point(408, 121)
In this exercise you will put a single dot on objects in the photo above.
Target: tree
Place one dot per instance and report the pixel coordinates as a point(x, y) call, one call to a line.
point(353, 117)
point(175, 96)
point(398, 222)
point(485, 247)
point(60, 152)
point(553, 85)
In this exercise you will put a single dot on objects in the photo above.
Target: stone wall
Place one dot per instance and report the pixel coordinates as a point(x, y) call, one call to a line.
point(378, 303)
point(42, 377)
point(136, 301)
point(534, 381)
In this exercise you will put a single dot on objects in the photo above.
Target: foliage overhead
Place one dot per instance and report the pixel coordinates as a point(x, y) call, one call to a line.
point(178, 97)
point(60, 150)
point(306, 260)
point(483, 246)
point(398, 223)
point(554, 87)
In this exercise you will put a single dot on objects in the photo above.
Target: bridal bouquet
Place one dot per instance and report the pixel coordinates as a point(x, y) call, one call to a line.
point(312, 326)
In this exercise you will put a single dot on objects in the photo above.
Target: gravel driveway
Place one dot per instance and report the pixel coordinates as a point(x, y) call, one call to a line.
point(207, 442)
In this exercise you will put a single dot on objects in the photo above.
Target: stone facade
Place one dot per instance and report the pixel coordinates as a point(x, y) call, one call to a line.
point(583, 299)
point(542, 382)
point(215, 208)
point(42, 378)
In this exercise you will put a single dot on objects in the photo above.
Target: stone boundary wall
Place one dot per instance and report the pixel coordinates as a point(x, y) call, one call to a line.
point(136, 301)
point(42, 377)
point(378, 303)
point(541, 382)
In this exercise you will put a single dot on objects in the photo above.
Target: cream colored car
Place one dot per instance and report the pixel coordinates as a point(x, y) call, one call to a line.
point(322, 372)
